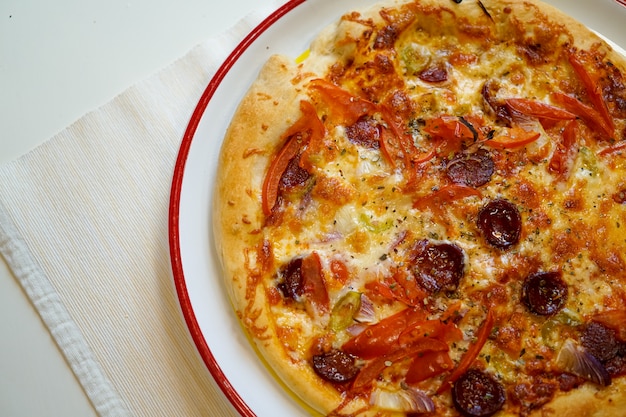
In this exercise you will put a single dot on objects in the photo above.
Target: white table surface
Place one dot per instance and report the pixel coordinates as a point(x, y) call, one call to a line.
point(58, 60)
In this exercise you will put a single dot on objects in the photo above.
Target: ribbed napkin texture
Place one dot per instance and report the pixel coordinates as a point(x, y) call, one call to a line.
point(83, 227)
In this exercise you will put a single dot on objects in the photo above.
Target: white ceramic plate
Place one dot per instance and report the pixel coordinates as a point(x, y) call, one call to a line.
point(245, 381)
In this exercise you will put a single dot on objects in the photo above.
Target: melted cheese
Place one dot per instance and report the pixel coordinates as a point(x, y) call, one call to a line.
point(569, 224)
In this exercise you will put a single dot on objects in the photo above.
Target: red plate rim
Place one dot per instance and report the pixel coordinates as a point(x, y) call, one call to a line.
point(174, 209)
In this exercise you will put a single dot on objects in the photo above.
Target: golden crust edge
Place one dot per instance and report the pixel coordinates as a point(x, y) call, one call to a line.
point(237, 215)
point(588, 401)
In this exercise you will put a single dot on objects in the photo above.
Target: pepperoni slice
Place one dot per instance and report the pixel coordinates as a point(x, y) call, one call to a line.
point(438, 266)
point(292, 285)
point(335, 366)
point(500, 223)
point(364, 132)
point(477, 393)
point(301, 280)
point(600, 341)
point(294, 175)
point(471, 169)
point(434, 74)
point(604, 344)
point(544, 293)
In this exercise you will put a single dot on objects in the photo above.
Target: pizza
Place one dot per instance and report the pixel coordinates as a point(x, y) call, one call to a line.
point(425, 213)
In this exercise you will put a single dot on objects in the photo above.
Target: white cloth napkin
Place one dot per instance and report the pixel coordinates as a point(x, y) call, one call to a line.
point(83, 227)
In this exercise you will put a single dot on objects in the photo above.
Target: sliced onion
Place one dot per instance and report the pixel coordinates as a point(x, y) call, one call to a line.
point(346, 219)
point(366, 312)
point(575, 359)
point(409, 400)
point(356, 329)
point(369, 165)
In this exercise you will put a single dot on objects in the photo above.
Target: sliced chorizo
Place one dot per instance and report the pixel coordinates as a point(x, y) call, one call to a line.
point(364, 132)
point(471, 169)
point(500, 223)
point(301, 280)
point(293, 176)
point(291, 283)
point(600, 341)
point(434, 74)
point(438, 266)
point(478, 394)
point(604, 344)
point(335, 366)
point(544, 293)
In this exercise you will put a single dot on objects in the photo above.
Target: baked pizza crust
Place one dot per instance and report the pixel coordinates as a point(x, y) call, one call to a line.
point(255, 134)
point(588, 401)
point(266, 111)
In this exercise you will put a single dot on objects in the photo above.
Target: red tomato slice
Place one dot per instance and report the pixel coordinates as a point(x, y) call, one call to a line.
point(591, 116)
point(314, 287)
point(428, 365)
point(539, 109)
point(404, 139)
point(374, 368)
point(339, 271)
point(439, 201)
point(346, 107)
point(316, 145)
point(565, 152)
point(406, 289)
point(594, 91)
point(450, 127)
point(306, 128)
point(390, 147)
point(452, 312)
point(278, 166)
point(380, 289)
point(471, 354)
point(398, 287)
point(445, 195)
point(515, 137)
point(381, 338)
point(449, 133)
point(445, 331)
